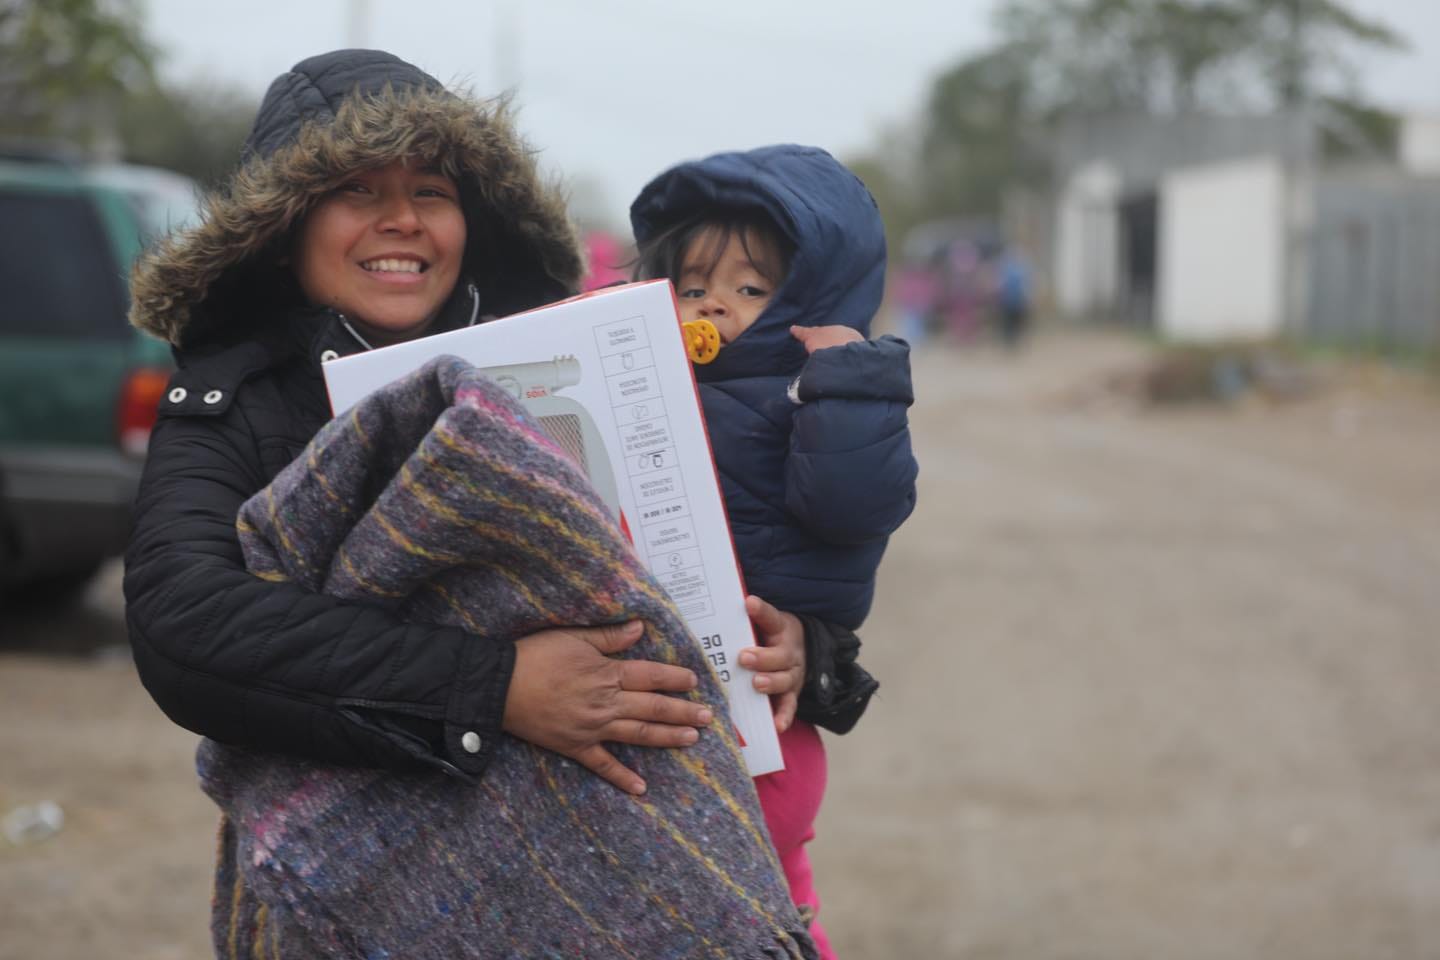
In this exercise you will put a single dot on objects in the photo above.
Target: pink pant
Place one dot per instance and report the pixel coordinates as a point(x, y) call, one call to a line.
point(790, 799)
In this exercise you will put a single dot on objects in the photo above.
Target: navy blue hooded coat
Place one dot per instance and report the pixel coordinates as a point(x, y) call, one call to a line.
point(814, 485)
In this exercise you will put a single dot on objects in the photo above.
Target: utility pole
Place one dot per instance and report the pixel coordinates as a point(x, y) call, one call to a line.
point(357, 24)
point(1295, 58)
point(507, 47)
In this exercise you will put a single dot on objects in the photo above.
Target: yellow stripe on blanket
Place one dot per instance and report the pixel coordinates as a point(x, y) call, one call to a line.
point(701, 856)
point(549, 878)
point(542, 759)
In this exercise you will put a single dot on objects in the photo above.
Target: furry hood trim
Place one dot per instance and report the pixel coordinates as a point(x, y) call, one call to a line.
point(219, 279)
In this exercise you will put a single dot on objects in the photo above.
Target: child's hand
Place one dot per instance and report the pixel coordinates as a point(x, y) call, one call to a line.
point(779, 663)
point(831, 335)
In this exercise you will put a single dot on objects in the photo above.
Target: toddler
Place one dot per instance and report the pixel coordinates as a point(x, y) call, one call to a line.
point(781, 249)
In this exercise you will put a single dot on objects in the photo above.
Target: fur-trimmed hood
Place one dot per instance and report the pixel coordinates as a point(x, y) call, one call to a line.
point(330, 116)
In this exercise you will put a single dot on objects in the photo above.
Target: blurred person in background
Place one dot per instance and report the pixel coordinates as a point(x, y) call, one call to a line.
point(372, 207)
point(917, 289)
point(1012, 295)
point(962, 290)
point(604, 261)
point(781, 249)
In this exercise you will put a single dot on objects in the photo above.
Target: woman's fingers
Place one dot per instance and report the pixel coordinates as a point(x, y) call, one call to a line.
point(640, 733)
point(614, 638)
point(566, 695)
point(660, 709)
point(639, 674)
point(650, 675)
point(645, 720)
point(603, 764)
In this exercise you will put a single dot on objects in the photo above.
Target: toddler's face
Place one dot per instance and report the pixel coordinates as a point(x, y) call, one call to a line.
point(384, 249)
point(723, 285)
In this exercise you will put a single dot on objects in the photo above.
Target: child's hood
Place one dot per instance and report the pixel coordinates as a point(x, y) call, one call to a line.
point(837, 274)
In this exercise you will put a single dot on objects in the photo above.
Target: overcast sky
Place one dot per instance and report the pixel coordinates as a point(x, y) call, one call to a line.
point(613, 91)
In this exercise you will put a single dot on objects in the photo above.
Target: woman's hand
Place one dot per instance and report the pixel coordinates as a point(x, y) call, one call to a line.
point(567, 695)
point(779, 663)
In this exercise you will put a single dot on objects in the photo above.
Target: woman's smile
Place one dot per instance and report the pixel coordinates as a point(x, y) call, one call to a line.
point(394, 265)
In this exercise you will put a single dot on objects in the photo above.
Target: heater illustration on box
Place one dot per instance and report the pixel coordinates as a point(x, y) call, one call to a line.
point(535, 385)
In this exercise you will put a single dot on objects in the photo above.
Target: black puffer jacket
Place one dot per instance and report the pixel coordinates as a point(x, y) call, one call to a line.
point(269, 665)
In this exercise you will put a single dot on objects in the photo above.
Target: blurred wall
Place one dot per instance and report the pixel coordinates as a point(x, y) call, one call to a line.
point(1222, 251)
point(1142, 148)
point(1375, 255)
point(1419, 146)
point(1087, 242)
point(1109, 170)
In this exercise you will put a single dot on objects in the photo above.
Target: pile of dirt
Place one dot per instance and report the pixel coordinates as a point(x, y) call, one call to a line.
point(1237, 373)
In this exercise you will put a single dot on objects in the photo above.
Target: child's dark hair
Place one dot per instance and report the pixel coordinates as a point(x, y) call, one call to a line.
point(663, 255)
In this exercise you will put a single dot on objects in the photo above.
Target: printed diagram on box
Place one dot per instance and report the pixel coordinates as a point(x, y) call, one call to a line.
point(621, 402)
point(566, 422)
point(664, 529)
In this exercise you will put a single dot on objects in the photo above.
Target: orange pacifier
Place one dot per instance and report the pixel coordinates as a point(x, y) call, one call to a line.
point(702, 340)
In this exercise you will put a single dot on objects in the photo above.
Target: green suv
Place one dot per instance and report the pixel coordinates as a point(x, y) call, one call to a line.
point(78, 386)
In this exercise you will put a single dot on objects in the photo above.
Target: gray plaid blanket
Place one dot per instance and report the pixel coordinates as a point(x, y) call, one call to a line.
point(482, 522)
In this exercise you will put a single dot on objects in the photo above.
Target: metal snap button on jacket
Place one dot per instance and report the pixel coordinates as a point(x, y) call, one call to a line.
point(470, 741)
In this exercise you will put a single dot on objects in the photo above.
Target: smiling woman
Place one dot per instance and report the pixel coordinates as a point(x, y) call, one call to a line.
point(443, 765)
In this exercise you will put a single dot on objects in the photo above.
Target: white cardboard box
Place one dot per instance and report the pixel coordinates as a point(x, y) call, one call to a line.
point(607, 375)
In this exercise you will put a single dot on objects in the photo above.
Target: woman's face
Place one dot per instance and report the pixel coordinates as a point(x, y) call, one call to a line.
point(384, 248)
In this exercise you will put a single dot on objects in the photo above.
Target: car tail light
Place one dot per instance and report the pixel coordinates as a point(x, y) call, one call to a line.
point(139, 406)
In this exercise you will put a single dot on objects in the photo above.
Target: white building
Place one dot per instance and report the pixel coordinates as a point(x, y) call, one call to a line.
point(1212, 228)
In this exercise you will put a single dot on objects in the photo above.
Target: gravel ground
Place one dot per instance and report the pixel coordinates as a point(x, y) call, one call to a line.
point(1156, 682)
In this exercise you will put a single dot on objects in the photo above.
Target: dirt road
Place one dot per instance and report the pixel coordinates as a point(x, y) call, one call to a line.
point(1155, 683)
